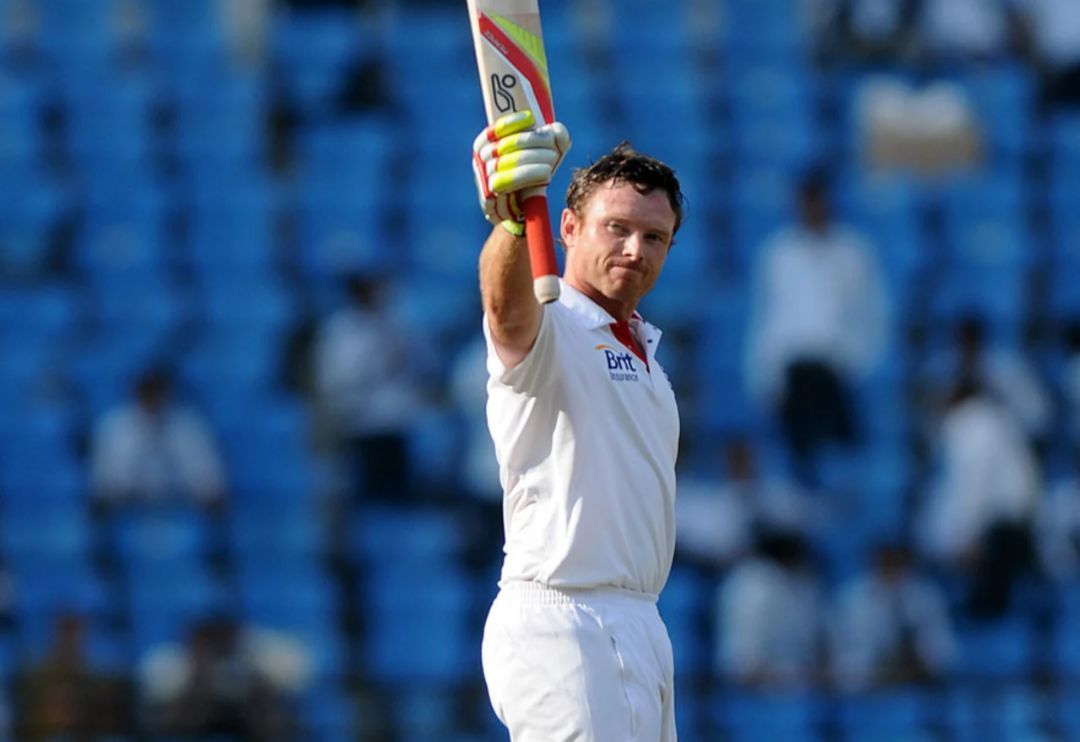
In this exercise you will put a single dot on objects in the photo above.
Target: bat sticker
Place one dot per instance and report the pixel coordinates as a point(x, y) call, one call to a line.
point(500, 91)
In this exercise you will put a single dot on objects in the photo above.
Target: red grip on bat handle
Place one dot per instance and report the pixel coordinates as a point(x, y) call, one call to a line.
point(545, 269)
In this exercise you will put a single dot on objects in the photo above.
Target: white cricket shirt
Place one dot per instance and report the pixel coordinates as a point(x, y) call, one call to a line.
point(586, 436)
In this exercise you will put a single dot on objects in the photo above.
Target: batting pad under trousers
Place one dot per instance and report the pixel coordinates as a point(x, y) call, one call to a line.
point(579, 665)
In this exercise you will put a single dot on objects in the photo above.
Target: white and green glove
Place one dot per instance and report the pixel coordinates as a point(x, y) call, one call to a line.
point(512, 159)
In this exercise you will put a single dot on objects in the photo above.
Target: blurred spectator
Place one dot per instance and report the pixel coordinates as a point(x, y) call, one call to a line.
point(718, 516)
point(1058, 525)
point(1002, 372)
point(769, 617)
point(155, 451)
point(1052, 29)
point(867, 31)
point(369, 384)
point(965, 30)
point(890, 626)
point(247, 23)
point(977, 519)
point(819, 325)
point(228, 679)
point(63, 697)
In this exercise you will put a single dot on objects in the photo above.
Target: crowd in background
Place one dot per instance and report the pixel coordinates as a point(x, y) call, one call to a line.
point(983, 524)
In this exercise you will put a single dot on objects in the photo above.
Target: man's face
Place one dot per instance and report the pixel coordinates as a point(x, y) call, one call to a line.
point(616, 247)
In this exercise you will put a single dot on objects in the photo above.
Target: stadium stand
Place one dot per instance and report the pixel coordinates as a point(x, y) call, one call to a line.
point(165, 200)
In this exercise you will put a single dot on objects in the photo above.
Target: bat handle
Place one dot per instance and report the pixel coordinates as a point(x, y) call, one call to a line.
point(545, 269)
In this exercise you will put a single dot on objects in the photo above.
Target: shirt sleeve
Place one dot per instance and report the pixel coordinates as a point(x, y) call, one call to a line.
point(535, 370)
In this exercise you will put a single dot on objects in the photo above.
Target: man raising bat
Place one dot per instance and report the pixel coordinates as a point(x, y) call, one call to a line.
point(585, 429)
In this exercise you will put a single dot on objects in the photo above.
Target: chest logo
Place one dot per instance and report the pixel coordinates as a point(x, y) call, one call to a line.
point(621, 365)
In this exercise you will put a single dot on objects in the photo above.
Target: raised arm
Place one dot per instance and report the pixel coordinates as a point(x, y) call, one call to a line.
point(512, 159)
point(513, 314)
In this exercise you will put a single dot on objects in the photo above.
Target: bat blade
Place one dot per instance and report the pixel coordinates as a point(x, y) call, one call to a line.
point(514, 76)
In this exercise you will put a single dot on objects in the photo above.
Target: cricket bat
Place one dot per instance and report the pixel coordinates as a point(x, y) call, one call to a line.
point(514, 77)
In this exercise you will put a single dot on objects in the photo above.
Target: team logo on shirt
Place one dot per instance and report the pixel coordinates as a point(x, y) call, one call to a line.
point(620, 364)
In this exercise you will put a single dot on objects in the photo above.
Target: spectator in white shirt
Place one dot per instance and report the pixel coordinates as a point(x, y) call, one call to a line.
point(367, 378)
point(977, 519)
point(1002, 372)
point(153, 451)
point(819, 325)
point(890, 626)
point(769, 618)
point(719, 515)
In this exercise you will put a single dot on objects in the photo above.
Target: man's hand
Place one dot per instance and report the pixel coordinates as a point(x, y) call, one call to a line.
point(512, 158)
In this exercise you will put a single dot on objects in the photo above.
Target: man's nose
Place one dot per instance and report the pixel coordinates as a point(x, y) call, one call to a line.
point(632, 245)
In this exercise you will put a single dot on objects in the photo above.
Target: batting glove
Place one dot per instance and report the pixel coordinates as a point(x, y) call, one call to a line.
point(512, 160)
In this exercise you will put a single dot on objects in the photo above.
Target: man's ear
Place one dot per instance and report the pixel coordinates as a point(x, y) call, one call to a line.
point(568, 228)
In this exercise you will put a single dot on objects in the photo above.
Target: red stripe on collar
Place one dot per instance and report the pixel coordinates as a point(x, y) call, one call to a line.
point(621, 331)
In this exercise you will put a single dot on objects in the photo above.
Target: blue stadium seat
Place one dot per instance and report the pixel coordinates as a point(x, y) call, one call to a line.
point(887, 209)
point(23, 539)
point(31, 207)
point(327, 713)
point(723, 398)
point(46, 315)
point(290, 528)
point(1011, 712)
point(295, 598)
point(315, 50)
point(769, 29)
point(223, 124)
point(976, 207)
point(268, 453)
point(747, 716)
point(76, 36)
point(997, 650)
point(20, 110)
point(425, 40)
point(684, 604)
point(164, 599)
point(113, 118)
point(419, 625)
point(1004, 101)
point(434, 307)
point(246, 304)
point(388, 535)
point(892, 713)
point(225, 371)
point(987, 248)
point(123, 232)
point(233, 233)
point(763, 200)
point(44, 587)
point(773, 117)
point(341, 232)
point(424, 713)
point(128, 308)
point(166, 535)
point(187, 43)
point(38, 468)
point(104, 371)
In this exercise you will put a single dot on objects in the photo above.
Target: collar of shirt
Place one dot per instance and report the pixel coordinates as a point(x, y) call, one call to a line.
point(596, 316)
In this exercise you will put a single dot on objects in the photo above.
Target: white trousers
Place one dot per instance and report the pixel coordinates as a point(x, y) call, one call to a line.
point(579, 666)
